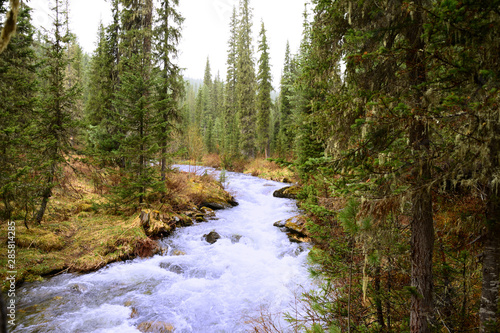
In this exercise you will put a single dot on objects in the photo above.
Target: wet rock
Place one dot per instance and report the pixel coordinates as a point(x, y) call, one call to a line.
point(280, 224)
point(134, 313)
point(212, 237)
point(216, 204)
point(174, 268)
point(154, 224)
point(178, 253)
point(295, 227)
point(235, 239)
point(155, 327)
point(207, 211)
point(200, 217)
point(162, 250)
point(289, 192)
point(79, 288)
point(297, 224)
point(296, 238)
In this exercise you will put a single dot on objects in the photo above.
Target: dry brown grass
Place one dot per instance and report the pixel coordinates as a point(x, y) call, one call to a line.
point(212, 160)
point(269, 170)
point(79, 233)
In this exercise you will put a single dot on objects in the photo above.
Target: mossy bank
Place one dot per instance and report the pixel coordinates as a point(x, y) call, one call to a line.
point(82, 233)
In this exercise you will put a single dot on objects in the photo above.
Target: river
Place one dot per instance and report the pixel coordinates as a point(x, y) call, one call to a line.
point(195, 286)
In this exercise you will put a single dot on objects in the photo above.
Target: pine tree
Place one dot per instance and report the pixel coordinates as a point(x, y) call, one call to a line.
point(246, 82)
point(264, 89)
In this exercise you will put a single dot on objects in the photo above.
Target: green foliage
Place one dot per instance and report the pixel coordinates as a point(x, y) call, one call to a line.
point(264, 89)
point(18, 88)
point(246, 82)
point(55, 116)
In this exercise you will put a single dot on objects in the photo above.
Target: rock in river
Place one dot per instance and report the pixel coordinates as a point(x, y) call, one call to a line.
point(212, 237)
point(289, 192)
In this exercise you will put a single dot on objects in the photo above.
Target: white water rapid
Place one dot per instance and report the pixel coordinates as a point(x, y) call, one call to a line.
point(212, 288)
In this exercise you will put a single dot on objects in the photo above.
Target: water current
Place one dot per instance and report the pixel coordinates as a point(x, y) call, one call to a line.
point(208, 288)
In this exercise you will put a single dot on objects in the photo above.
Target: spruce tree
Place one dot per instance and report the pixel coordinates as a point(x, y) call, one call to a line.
point(264, 89)
point(170, 85)
point(246, 82)
point(285, 122)
point(55, 115)
point(134, 101)
point(18, 88)
point(100, 115)
point(231, 131)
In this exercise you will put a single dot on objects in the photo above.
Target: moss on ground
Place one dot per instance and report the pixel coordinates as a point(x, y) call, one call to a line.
point(80, 234)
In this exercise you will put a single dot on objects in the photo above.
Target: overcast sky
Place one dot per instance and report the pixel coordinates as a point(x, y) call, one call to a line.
point(205, 30)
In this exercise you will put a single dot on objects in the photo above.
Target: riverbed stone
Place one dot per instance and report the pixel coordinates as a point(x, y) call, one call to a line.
point(178, 253)
point(289, 192)
point(295, 227)
point(174, 268)
point(155, 327)
point(212, 237)
point(207, 211)
point(154, 224)
point(235, 239)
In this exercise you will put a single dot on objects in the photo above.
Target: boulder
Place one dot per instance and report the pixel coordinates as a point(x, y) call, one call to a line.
point(207, 211)
point(174, 268)
point(219, 204)
point(297, 224)
point(288, 192)
point(155, 327)
point(178, 253)
point(154, 225)
point(280, 224)
point(212, 237)
point(235, 239)
point(295, 227)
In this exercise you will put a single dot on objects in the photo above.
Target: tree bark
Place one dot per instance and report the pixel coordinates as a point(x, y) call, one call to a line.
point(422, 245)
point(422, 224)
point(489, 312)
point(47, 193)
point(3, 315)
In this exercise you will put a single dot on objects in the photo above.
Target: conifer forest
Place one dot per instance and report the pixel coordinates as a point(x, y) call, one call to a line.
point(387, 117)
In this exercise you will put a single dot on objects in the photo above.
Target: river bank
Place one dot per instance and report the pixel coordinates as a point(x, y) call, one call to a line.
point(83, 232)
point(279, 171)
point(196, 285)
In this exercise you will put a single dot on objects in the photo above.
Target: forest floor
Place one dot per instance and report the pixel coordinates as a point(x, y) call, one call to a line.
point(82, 231)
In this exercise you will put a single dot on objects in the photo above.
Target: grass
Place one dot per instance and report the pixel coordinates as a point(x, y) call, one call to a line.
point(259, 167)
point(81, 234)
point(270, 170)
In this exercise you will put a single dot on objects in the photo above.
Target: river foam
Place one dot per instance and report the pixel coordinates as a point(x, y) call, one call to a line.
point(216, 287)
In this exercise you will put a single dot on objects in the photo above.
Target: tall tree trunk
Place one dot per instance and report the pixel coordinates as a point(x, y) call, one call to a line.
point(422, 245)
point(47, 193)
point(378, 298)
point(489, 311)
point(422, 225)
point(165, 59)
